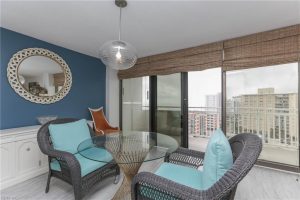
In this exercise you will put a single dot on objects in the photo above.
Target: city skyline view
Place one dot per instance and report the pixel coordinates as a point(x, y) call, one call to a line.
point(262, 101)
point(274, 117)
point(240, 82)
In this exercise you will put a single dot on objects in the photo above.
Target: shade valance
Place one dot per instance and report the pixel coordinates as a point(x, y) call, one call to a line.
point(191, 59)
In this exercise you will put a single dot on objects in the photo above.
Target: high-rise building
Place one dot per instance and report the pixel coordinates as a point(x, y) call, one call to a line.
point(272, 116)
point(205, 121)
point(197, 123)
point(213, 109)
point(213, 101)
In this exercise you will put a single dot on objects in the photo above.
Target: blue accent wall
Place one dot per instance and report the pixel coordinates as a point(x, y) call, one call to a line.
point(88, 88)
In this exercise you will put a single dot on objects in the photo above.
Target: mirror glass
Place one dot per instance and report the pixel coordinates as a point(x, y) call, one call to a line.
point(41, 76)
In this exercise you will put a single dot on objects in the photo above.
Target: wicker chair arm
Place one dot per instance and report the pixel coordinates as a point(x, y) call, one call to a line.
point(186, 157)
point(69, 159)
point(190, 152)
point(162, 188)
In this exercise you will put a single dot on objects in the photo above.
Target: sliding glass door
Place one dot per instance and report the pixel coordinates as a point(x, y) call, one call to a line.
point(187, 106)
point(135, 104)
point(168, 109)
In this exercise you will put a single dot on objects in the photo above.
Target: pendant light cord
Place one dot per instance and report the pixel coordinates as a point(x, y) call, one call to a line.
point(120, 20)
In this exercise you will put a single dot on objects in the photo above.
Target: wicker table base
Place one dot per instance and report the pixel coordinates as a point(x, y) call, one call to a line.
point(129, 170)
point(129, 155)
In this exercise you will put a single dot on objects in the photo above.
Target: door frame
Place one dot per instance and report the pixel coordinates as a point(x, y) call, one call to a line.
point(184, 110)
point(184, 106)
point(121, 92)
point(152, 103)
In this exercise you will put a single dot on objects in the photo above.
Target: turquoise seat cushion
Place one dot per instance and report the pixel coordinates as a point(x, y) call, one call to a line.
point(67, 136)
point(217, 160)
point(180, 174)
point(86, 165)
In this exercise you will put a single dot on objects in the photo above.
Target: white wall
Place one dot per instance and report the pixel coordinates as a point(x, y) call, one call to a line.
point(112, 96)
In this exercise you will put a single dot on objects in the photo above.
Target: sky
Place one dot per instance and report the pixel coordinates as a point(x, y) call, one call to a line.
point(202, 83)
point(283, 78)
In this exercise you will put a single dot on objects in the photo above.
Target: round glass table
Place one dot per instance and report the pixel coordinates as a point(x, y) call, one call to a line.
point(129, 149)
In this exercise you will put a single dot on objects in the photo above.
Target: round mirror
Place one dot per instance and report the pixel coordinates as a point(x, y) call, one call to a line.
point(39, 75)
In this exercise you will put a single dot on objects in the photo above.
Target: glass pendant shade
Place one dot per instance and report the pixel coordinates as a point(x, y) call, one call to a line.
point(118, 54)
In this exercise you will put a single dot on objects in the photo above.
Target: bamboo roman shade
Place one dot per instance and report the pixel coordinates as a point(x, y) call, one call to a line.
point(261, 49)
point(191, 59)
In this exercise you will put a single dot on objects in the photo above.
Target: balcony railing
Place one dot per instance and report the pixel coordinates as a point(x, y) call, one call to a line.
point(278, 128)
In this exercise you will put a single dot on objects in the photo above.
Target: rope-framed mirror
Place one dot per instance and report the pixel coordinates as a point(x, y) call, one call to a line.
point(39, 75)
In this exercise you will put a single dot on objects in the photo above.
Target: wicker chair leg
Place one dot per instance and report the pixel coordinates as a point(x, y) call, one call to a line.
point(232, 194)
point(167, 158)
point(117, 177)
point(48, 182)
point(77, 192)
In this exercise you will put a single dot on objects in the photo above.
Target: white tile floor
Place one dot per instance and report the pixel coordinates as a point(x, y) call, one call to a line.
point(259, 184)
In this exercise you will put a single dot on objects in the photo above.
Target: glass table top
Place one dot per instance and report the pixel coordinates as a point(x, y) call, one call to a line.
point(127, 147)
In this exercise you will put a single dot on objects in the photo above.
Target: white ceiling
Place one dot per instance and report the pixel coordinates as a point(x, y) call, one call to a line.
point(151, 26)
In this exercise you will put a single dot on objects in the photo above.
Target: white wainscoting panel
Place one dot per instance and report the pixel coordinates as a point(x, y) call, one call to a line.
point(21, 158)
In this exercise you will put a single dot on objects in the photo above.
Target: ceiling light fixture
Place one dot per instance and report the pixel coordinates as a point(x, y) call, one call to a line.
point(118, 54)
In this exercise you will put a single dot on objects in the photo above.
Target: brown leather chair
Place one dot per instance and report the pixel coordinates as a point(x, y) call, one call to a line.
point(100, 124)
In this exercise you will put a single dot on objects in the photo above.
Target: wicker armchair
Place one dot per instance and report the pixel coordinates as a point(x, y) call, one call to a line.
point(245, 148)
point(69, 165)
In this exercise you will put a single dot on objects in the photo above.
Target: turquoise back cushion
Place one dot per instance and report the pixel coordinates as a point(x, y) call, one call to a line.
point(67, 137)
point(217, 160)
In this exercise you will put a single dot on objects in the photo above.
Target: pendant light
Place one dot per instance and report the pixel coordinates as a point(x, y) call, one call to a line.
point(118, 54)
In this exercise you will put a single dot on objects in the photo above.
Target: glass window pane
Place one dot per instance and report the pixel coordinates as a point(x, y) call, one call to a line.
point(204, 90)
point(135, 104)
point(264, 101)
point(169, 105)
